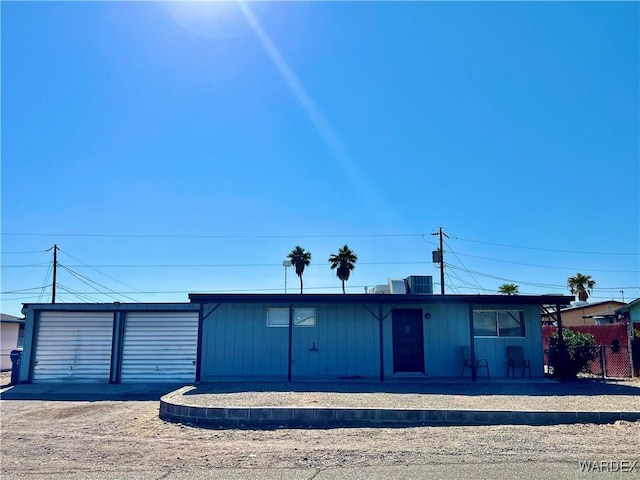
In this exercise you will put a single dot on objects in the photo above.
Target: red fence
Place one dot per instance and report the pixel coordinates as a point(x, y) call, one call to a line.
point(613, 358)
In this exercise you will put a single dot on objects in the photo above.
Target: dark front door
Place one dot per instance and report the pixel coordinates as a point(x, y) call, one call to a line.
point(408, 342)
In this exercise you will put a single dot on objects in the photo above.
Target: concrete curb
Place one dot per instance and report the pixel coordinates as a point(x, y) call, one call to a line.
point(305, 417)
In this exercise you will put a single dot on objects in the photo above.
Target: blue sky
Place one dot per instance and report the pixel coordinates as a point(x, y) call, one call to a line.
point(174, 148)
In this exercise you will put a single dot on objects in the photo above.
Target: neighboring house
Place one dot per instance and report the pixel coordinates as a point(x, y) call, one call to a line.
point(11, 334)
point(630, 311)
point(583, 313)
point(280, 336)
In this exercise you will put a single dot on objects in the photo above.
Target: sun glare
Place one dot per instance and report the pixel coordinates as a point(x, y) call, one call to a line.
point(213, 19)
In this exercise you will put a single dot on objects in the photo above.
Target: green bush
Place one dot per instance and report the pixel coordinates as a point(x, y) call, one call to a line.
point(581, 350)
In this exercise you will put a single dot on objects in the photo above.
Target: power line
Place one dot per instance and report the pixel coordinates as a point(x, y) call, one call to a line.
point(203, 265)
point(41, 264)
point(543, 285)
point(548, 266)
point(455, 255)
point(98, 271)
point(46, 280)
point(544, 249)
point(294, 236)
point(82, 296)
point(21, 253)
point(24, 290)
point(91, 283)
point(127, 235)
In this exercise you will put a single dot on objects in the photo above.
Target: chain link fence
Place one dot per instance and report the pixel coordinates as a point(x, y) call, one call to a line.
point(608, 362)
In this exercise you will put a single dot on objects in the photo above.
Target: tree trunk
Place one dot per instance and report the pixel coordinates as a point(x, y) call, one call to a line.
point(343, 287)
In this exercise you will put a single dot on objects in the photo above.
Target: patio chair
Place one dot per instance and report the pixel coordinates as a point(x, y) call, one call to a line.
point(517, 360)
point(468, 362)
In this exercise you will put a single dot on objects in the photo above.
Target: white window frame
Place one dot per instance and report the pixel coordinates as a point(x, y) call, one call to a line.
point(302, 317)
point(520, 314)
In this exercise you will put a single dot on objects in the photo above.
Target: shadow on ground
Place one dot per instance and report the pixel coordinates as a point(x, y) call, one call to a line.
point(89, 392)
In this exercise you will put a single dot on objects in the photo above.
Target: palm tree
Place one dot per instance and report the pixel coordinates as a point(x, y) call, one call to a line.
point(581, 285)
point(509, 289)
point(344, 261)
point(299, 259)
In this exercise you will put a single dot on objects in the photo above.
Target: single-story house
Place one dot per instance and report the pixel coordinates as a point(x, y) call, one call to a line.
point(11, 331)
point(281, 336)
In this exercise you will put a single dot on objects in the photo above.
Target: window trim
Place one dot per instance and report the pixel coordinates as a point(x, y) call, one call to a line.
point(286, 324)
point(497, 323)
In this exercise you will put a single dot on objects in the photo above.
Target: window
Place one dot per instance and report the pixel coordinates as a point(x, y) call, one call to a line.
point(498, 323)
point(302, 317)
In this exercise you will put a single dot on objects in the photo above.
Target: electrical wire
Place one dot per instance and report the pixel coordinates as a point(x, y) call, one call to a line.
point(46, 279)
point(127, 235)
point(21, 253)
point(82, 296)
point(91, 284)
point(547, 266)
point(98, 271)
point(542, 249)
point(461, 263)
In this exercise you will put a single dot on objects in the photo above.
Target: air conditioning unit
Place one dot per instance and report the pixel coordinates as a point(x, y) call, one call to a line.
point(420, 284)
point(397, 286)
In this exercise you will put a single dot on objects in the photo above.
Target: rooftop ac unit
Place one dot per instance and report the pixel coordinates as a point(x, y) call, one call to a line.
point(397, 286)
point(420, 284)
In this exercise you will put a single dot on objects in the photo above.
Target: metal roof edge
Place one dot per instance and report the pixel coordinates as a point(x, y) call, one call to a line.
point(110, 307)
point(378, 298)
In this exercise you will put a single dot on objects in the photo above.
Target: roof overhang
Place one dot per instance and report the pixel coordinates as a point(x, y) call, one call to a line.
point(360, 298)
point(109, 307)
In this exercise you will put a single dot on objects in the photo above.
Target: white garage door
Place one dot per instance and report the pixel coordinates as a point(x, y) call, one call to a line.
point(160, 347)
point(73, 346)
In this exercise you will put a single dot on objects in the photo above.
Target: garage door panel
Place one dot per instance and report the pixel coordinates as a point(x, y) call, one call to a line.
point(159, 347)
point(73, 346)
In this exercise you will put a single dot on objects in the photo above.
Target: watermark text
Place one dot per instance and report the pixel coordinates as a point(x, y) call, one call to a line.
point(600, 466)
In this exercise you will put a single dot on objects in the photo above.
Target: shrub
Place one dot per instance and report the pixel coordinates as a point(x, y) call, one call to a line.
point(581, 350)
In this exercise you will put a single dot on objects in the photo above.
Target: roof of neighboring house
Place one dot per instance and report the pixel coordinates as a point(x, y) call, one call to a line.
point(10, 318)
point(379, 298)
point(582, 305)
point(628, 306)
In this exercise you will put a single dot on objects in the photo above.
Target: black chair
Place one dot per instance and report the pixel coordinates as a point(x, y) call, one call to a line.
point(468, 362)
point(517, 360)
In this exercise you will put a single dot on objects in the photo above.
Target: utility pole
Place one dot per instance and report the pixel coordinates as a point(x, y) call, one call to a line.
point(438, 257)
point(55, 272)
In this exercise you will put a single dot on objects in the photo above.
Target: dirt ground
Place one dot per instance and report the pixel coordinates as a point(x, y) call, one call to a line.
point(41, 437)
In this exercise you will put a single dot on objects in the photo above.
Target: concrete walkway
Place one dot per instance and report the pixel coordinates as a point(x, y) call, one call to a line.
point(401, 403)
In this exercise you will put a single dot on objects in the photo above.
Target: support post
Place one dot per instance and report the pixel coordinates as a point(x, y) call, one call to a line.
point(442, 267)
point(381, 327)
point(55, 272)
point(472, 345)
point(562, 346)
point(290, 343)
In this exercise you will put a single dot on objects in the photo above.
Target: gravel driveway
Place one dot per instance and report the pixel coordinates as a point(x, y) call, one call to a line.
point(127, 438)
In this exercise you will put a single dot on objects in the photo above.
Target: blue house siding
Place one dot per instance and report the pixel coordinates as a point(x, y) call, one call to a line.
point(237, 342)
point(345, 341)
point(495, 349)
point(445, 332)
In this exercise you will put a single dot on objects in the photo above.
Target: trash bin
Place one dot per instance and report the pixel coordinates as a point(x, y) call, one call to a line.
point(16, 361)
